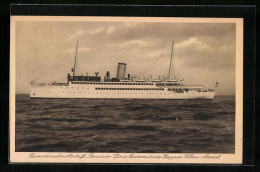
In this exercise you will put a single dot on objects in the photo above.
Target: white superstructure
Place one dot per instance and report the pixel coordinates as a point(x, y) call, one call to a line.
point(118, 90)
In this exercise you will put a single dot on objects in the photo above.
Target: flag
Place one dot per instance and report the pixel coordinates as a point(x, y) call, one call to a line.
point(72, 70)
point(216, 84)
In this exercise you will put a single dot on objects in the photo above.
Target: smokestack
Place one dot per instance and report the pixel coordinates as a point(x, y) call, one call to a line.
point(121, 71)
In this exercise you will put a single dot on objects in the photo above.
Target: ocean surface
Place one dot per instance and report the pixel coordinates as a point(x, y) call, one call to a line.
point(126, 126)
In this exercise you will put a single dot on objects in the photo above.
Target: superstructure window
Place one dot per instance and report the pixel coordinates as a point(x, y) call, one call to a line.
point(133, 89)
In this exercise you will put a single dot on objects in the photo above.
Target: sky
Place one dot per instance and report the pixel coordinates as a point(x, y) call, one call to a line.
point(203, 53)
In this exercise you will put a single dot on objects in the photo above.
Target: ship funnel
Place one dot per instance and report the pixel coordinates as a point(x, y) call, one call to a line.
point(121, 71)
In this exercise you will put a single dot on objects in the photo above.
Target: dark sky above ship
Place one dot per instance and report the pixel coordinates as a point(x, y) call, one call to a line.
point(203, 52)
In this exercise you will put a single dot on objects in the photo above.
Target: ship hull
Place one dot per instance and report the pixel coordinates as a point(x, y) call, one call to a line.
point(90, 92)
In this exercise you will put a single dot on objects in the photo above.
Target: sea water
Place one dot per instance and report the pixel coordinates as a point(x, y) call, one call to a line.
point(141, 126)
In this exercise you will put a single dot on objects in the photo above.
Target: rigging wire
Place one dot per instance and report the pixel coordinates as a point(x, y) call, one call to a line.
point(157, 65)
point(150, 66)
point(51, 68)
point(61, 63)
point(153, 67)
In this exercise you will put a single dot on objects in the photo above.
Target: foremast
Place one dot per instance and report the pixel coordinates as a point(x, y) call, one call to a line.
point(74, 68)
point(170, 67)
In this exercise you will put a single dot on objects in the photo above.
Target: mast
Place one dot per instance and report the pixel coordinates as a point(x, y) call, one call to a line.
point(169, 74)
point(74, 69)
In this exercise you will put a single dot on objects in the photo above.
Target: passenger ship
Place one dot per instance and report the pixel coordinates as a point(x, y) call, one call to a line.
point(120, 87)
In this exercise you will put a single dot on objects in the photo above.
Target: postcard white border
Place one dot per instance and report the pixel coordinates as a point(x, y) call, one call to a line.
point(59, 157)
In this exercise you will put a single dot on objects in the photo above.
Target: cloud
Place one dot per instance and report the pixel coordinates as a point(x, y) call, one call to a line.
point(81, 49)
point(82, 33)
point(131, 24)
point(157, 53)
point(137, 43)
point(192, 42)
point(111, 29)
point(75, 35)
point(97, 31)
point(197, 53)
point(172, 31)
point(84, 49)
point(202, 52)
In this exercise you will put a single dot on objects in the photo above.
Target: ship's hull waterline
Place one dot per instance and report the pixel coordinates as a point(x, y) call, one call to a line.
point(94, 92)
